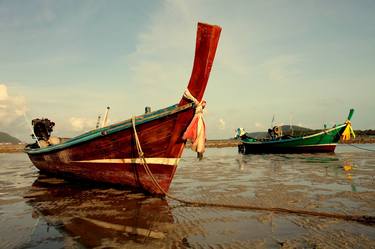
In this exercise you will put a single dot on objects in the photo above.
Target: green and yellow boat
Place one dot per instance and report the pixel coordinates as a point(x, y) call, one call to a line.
point(321, 141)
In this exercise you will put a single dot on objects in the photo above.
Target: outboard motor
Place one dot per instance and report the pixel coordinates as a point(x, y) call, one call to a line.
point(42, 128)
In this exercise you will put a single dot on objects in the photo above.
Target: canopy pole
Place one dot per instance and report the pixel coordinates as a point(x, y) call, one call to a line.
point(105, 119)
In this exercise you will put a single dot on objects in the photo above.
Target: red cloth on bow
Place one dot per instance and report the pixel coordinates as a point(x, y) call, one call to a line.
point(196, 131)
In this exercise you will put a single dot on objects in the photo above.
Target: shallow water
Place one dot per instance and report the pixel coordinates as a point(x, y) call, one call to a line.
point(37, 211)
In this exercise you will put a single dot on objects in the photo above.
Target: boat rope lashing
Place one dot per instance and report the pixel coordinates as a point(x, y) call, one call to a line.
point(196, 131)
point(369, 220)
point(358, 147)
point(143, 159)
point(345, 136)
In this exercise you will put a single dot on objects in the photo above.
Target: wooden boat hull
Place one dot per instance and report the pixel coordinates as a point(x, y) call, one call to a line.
point(113, 158)
point(110, 154)
point(325, 141)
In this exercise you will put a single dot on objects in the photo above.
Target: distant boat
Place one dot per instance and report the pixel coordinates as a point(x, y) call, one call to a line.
point(113, 154)
point(323, 141)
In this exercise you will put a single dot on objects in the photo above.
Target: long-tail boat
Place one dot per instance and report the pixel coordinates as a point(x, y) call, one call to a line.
point(322, 141)
point(117, 153)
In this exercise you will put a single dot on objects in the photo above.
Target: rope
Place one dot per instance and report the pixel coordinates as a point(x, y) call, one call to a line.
point(370, 220)
point(190, 97)
point(361, 148)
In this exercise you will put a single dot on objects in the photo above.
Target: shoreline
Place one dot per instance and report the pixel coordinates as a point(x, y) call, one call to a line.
point(213, 143)
point(12, 148)
point(221, 143)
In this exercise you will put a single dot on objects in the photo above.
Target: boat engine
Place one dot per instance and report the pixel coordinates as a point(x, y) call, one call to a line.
point(42, 128)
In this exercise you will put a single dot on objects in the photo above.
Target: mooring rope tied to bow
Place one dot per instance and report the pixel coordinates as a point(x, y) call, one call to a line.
point(369, 220)
point(360, 148)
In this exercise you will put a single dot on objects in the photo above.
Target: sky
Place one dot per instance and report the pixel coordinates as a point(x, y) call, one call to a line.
point(303, 62)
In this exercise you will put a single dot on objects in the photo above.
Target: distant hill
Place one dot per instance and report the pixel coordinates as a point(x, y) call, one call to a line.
point(287, 130)
point(294, 128)
point(302, 131)
point(6, 138)
point(365, 132)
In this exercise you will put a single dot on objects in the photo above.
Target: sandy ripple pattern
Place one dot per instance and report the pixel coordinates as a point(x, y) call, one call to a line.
point(39, 211)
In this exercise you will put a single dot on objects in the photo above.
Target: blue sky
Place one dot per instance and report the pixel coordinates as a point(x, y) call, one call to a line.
point(306, 62)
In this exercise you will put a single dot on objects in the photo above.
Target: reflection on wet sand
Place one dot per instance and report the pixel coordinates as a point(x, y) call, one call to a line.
point(348, 168)
point(315, 182)
point(99, 216)
point(57, 214)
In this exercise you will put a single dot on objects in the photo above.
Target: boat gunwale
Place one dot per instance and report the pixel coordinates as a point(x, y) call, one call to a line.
point(93, 134)
point(296, 138)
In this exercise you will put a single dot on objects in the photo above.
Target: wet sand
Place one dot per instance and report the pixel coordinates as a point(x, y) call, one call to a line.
point(12, 148)
point(38, 211)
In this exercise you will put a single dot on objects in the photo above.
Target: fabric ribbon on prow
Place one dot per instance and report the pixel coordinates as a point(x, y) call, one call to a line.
point(345, 136)
point(196, 131)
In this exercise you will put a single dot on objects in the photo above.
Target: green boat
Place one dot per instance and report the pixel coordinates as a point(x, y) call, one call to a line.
point(322, 141)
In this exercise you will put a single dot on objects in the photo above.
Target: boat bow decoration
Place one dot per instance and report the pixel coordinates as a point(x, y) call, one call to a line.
point(196, 131)
point(348, 129)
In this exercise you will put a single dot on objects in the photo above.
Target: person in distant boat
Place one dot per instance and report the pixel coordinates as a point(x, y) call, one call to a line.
point(275, 132)
point(270, 134)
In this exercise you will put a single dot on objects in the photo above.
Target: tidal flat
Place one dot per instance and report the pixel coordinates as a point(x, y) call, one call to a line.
point(39, 211)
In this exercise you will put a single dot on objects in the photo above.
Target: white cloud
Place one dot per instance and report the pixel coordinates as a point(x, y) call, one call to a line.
point(164, 54)
point(3, 92)
point(160, 58)
point(82, 124)
point(258, 125)
point(11, 107)
point(222, 124)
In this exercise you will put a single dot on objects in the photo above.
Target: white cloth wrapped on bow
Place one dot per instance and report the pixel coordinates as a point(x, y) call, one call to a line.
point(196, 131)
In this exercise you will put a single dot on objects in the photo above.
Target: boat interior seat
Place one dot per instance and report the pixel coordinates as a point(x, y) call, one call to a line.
point(287, 137)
